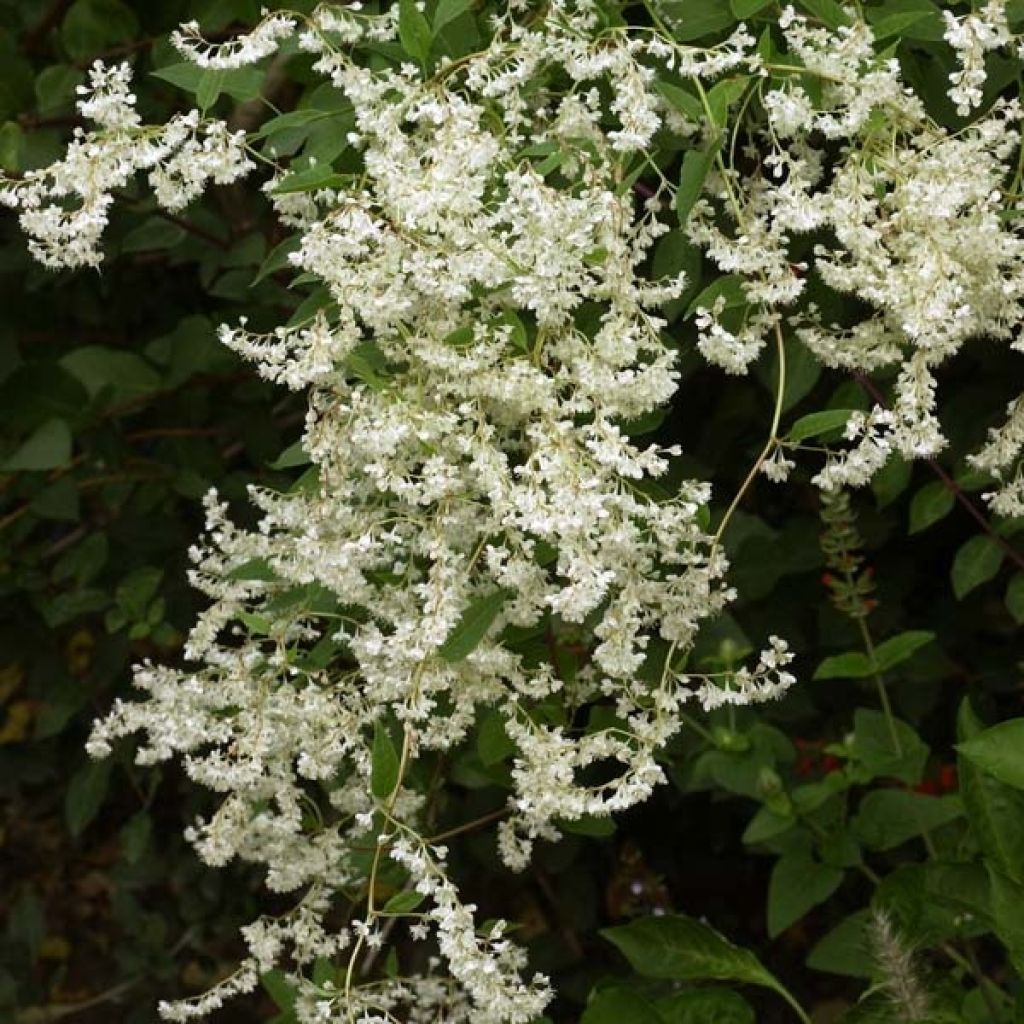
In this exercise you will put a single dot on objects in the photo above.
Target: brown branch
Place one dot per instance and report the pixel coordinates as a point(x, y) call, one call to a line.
point(35, 37)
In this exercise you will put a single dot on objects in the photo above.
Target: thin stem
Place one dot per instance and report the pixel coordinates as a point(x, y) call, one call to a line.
point(773, 440)
point(883, 693)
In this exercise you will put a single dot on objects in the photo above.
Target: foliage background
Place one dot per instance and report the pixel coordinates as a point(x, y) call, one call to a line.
point(120, 410)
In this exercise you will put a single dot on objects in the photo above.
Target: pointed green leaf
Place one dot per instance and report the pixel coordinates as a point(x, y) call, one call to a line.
point(384, 763)
point(975, 563)
point(999, 751)
point(697, 163)
point(797, 885)
point(472, 627)
point(931, 503)
point(898, 649)
point(680, 948)
point(414, 31)
point(816, 423)
point(48, 447)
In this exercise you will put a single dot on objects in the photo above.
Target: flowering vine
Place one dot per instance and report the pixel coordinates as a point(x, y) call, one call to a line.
point(485, 337)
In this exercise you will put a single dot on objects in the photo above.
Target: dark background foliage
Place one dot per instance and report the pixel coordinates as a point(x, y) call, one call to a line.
point(120, 410)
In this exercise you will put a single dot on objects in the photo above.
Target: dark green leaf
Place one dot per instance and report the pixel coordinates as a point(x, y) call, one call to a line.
point(845, 949)
point(414, 31)
point(85, 794)
point(901, 756)
point(797, 884)
point(817, 423)
point(887, 818)
point(682, 949)
point(620, 1006)
point(705, 1006)
point(696, 165)
point(975, 563)
point(827, 11)
point(449, 10)
point(999, 751)
point(385, 763)
point(48, 447)
point(897, 649)
point(206, 85)
point(472, 627)
point(995, 810)
point(98, 367)
point(1014, 599)
point(931, 503)
point(745, 8)
point(404, 902)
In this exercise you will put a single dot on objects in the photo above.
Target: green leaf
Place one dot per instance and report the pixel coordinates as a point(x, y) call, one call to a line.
point(92, 26)
point(874, 747)
point(384, 763)
point(679, 948)
point(999, 751)
point(154, 233)
point(206, 84)
point(280, 989)
point(310, 180)
point(135, 836)
point(1014, 599)
point(975, 563)
point(683, 100)
point(85, 795)
point(896, 24)
point(891, 481)
point(12, 140)
point(277, 259)
point(705, 1006)
point(728, 286)
point(852, 665)
point(893, 17)
point(817, 423)
point(797, 884)
point(696, 165)
point(449, 10)
point(722, 96)
point(294, 455)
point(931, 503)
point(857, 665)
point(745, 8)
point(826, 11)
point(472, 626)
point(47, 447)
point(620, 1005)
point(1007, 898)
point(492, 742)
point(995, 810)
point(691, 19)
point(404, 902)
point(137, 589)
point(767, 824)
point(887, 818)
point(845, 949)
point(55, 87)
point(899, 648)
point(414, 31)
point(99, 367)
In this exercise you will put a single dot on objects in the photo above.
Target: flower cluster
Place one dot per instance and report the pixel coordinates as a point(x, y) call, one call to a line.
point(64, 207)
